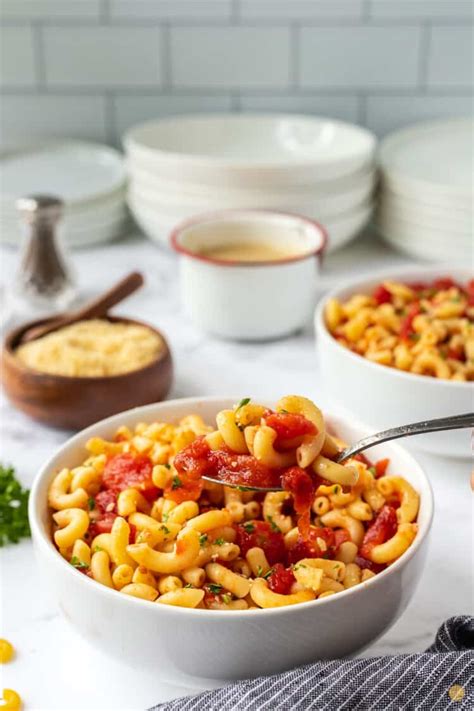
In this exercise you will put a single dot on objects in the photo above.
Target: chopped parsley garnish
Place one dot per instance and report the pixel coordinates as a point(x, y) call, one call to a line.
point(165, 517)
point(13, 508)
point(243, 488)
point(177, 483)
point(215, 589)
point(203, 539)
point(91, 504)
point(188, 585)
point(242, 403)
point(167, 466)
point(97, 549)
point(165, 529)
point(219, 541)
point(372, 470)
point(261, 574)
point(76, 563)
point(226, 598)
point(249, 526)
point(273, 524)
point(283, 412)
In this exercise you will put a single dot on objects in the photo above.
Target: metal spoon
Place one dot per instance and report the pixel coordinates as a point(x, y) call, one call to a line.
point(454, 422)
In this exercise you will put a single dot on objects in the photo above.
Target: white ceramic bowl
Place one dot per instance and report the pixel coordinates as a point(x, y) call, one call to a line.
point(157, 224)
point(250, 149)
point(197, 190)
point(234, 644)
point(425, 243)
point(385, 397)
point(432, 160)
point(434, 215)
point(80, 172)
point(425, 252)
point(249, 300)
point(447, 227)
point(180, 204)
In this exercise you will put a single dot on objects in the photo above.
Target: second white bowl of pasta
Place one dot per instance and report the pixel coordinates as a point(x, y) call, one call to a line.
point(407, 358)
point(210, 582)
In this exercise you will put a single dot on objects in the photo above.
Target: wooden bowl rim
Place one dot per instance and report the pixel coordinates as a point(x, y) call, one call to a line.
point(11, 339)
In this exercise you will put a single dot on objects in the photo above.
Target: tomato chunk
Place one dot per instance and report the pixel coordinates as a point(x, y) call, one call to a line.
point(383, 528)
point(406, 330)
point(281, 579)
point(367, 564)
point(382, 295)
point(193, 460)
point(125, 471)
point(444, 283)
point(105, 502)
point(197, 459)
point(470, 292)
point(340, 536)
point(381, 467)
point(182, 489)
point(300, 485)
point(289, 425)
point(261, 534)
point(103, 524)
point(311, 547)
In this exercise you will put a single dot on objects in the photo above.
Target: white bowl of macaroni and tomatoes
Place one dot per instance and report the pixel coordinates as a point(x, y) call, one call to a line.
point(155, 566)
point(398, 347)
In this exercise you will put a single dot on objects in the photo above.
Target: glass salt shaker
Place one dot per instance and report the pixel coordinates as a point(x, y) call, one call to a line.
point(43, 284)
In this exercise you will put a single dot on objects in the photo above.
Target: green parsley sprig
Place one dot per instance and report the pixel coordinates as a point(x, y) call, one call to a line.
point(14, 523)
point(77, 563)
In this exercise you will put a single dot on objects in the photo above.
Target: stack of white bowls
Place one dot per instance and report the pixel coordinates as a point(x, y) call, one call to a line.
point(315, 167)
point(426, 206)
point(90, 178)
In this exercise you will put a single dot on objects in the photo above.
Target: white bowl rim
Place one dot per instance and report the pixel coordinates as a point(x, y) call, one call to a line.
point(54, 144)
point(361, 283)
point(220, 215)
point(49, 549)
point(131, 140)
point(392, 142)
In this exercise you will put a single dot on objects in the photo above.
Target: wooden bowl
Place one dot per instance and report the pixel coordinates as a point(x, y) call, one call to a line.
point(74, 403)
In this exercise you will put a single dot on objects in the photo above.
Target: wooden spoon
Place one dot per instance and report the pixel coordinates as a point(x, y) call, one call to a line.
point(94, 309)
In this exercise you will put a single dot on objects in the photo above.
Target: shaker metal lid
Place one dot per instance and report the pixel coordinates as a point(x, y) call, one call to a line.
point(40, 207)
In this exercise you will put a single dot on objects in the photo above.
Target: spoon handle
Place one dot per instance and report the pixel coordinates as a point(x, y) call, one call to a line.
point(100, 305)
point(454, 422)
point(94, 309)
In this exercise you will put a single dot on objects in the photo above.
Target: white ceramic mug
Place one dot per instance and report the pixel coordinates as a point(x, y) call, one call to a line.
point(249, 300)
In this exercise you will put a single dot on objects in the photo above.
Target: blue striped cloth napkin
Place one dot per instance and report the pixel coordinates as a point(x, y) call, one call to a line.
point(440, 678)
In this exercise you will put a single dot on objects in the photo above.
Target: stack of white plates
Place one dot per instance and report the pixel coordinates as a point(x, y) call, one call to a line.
point(426, 204)
point(90, 179)
point(315, 167)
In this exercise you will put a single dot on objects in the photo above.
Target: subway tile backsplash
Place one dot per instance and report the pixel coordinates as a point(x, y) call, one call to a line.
point(92, 68)
point(345, 57)
point(230, 57)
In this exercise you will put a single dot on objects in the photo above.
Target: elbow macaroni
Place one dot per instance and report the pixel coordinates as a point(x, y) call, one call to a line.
point(426, 329)
point(225, 549)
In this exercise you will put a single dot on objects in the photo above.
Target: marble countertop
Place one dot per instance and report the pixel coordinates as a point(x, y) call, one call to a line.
point(55, 669)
